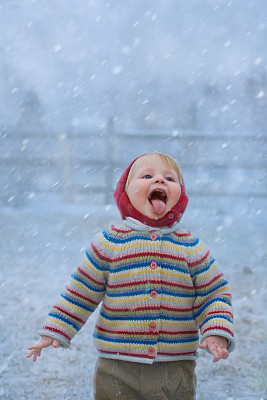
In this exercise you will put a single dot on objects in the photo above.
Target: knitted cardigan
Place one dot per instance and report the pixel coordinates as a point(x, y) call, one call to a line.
point(158, 288)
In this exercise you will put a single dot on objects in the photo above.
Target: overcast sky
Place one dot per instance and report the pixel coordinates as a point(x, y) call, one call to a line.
point(99, 57)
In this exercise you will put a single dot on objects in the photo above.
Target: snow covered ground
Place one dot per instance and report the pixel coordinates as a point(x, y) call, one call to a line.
point(41, 245)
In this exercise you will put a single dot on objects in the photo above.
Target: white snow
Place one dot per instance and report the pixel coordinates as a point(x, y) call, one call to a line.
point(42, 244)
point(196, 69)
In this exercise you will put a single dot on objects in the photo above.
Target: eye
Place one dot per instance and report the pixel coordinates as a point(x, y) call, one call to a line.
point(169, 178)
point(147, 176)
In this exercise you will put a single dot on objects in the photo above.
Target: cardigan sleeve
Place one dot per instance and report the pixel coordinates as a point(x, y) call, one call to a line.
point(81, 296)
point(212, 305)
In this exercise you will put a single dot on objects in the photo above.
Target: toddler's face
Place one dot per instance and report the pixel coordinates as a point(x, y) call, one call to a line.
point(154, 189)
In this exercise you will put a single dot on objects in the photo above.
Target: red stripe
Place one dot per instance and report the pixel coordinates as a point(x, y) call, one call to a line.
point(175, 354)
point(144, 282)
point(57, 331)
point(148, 308)
point(153, 254)
point(141, 355)
point(199, 261)
point(210, 281)
point(77, 294)
point(69, 314)
point(142, 254)
point(131, 333)
point(183, 234)
point(82, 271)
point(221, 312)
point(221, 328)
point(138, 355)
point(120, 230)
point(145, 333)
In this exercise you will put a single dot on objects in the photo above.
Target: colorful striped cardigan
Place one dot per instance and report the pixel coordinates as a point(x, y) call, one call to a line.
point(158, 289)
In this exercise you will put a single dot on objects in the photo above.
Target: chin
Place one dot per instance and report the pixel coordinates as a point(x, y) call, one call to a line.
point(156, 216)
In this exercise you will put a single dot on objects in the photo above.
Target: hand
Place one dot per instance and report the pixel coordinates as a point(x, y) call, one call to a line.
point(37, 348)
point(217, 345)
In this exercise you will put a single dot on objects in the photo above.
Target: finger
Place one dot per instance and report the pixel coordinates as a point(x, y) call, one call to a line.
point(44, 342)
point(203, 345)
point(29, 355)
point(223, 353)
point(214, 352)
point(35, 355)
point(35, 346)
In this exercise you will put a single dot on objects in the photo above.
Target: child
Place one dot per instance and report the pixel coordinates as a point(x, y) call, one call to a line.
point(158, 285)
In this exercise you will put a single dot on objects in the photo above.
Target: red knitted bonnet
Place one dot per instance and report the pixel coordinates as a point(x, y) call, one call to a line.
point(127, 210)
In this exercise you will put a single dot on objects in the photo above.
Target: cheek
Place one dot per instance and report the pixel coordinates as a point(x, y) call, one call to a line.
point(175, 195)
point(134, 194)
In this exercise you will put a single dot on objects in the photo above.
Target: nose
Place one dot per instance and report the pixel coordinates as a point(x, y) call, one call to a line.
point(159, 179)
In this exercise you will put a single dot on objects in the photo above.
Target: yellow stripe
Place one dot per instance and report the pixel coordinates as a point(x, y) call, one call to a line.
point(85, 290)
point(143, 324)
point(176, 346)
point(56, 321)
point(139, 347)
point(138, 273)
point(75, 308)
point(147, 244)
point(91, 268)
point(140, 300)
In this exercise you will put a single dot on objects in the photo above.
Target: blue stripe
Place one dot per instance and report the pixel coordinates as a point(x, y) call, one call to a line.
point(131, 340)
point(116, 239)
point(208, 263)
point(77, 303)
point(181, 340)
point(212, 289)
point(211, 317)
point(95, 262)
point(133, 292)
point(67, 321)
point(176, 318)
point(209, 303)
point(130, 264)
point(146, 237)
point(160, 291)
point(141, 264)
point(146, 317)
point(76, 278)
point(176, 293)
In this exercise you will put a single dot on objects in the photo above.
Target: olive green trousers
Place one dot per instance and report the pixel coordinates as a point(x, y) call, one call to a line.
point(124, 380)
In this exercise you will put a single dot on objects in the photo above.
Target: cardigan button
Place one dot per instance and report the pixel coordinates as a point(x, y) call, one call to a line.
point(151, 351)
point(152, 326)
point(153, 264)
point(153, 236)
point(153, 293)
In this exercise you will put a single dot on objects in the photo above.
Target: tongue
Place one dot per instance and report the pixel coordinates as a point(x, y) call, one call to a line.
point(159, 206)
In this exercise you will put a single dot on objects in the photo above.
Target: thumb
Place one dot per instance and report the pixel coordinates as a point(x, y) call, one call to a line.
point(203, 345)
point(55, 343)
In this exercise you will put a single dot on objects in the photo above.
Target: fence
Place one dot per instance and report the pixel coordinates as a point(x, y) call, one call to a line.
point(81, 166)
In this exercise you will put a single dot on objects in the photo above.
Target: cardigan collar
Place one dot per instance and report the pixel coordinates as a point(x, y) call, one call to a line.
point(139, 226)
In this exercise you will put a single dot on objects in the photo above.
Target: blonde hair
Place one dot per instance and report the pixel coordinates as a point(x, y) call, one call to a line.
point(168, 161)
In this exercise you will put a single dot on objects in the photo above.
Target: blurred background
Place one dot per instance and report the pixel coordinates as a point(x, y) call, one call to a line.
point(85, 87)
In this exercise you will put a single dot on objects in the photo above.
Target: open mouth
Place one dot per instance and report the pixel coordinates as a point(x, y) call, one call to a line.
point(158, 200)
point(157, 195)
